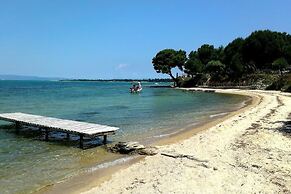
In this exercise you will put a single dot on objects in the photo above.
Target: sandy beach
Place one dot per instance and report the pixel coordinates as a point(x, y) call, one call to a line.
point(247, 152)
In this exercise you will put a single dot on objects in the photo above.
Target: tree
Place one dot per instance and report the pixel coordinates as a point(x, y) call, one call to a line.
point(236, 66)
point(280, 64)
point(233, 58)
point(206, 53)
point(216, 69)
point(287, 52)
point(263, 47)
point(193, 66)
point(250, 67)
point(219, 54)
point(167, 59)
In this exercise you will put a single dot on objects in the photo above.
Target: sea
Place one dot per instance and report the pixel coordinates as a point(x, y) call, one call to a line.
point(28, 163)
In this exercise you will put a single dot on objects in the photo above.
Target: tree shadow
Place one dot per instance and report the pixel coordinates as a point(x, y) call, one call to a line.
point(285, 128)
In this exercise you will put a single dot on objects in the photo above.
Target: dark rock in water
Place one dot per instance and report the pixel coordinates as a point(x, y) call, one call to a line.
point(126, 147)
point(132, 148)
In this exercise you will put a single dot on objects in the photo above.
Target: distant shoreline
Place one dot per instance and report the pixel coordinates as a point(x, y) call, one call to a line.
point(116, 80)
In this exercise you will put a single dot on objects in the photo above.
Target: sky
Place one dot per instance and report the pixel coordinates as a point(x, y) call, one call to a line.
point(104, 39)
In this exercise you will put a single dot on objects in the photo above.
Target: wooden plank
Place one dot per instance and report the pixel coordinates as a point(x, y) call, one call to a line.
point(68, 125)
point(92, 131)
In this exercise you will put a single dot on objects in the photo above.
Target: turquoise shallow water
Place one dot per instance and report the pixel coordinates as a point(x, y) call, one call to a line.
point(28, 163)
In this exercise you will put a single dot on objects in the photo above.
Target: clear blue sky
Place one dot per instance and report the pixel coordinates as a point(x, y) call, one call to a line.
point(117, 39)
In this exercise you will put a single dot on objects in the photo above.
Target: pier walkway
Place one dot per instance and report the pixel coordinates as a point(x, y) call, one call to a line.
point(53, 124)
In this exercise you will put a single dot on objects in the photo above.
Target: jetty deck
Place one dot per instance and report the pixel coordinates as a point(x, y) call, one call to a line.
point(54, 124)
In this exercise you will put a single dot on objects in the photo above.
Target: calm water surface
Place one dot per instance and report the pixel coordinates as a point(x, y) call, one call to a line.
point(28, 163)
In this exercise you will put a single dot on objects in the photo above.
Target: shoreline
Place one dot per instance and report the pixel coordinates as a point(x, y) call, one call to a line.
point(246, 152)
point(94, 179)
point(185, 134)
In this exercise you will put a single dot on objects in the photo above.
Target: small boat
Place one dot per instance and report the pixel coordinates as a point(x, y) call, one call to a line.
point(136, 88)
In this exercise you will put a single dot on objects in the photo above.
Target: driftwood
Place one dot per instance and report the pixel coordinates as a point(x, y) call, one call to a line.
point(183, 156)
point(189, 157)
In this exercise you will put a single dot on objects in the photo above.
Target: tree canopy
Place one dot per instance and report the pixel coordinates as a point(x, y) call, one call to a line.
point(216, 69)
point(206, 53)
point(263, 47)
point(193, 65)
point(168, 59)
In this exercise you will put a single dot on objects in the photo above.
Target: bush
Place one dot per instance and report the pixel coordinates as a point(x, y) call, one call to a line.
point(277, 85)
point(283, 83)
point(188, 82)
point(288, 89)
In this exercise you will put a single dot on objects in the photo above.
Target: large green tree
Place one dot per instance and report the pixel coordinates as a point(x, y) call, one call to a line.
point(193, 66)
point(168, 59)
point(263, 47)
point(233, 58)
point(216, 69)
point(207, 53)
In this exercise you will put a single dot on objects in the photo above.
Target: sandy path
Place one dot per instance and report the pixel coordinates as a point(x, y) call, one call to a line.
point(246, 153)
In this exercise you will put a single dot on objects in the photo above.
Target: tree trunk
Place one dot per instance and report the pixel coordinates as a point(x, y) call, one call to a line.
point(174, 79)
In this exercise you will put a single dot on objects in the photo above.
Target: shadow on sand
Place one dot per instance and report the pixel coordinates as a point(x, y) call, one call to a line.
point(286, 128)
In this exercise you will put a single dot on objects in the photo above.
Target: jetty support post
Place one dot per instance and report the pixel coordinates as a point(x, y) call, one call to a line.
point(68, 136)
point(17, 126)
point(46, 134)
point(81, 141)
point(104, 139)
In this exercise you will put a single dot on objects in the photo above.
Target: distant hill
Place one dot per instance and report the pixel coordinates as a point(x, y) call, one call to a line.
point(23, 77)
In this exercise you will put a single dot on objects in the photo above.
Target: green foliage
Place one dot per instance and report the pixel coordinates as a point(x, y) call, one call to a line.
point(280, 64)
point(263, 47)
point(263, 79)
point(232, 49)
point(216, 69)
point(193, 66)
point(219, 54)
point(250, 67)
point(167, 59)
point(207, 53)
point(288, 89)
point(287, 86)
point(197, 60)
point(287, 52)
point(233, 58)
point(236, 66)
point(199, 79)
point(277, 85)
point(282, 83)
